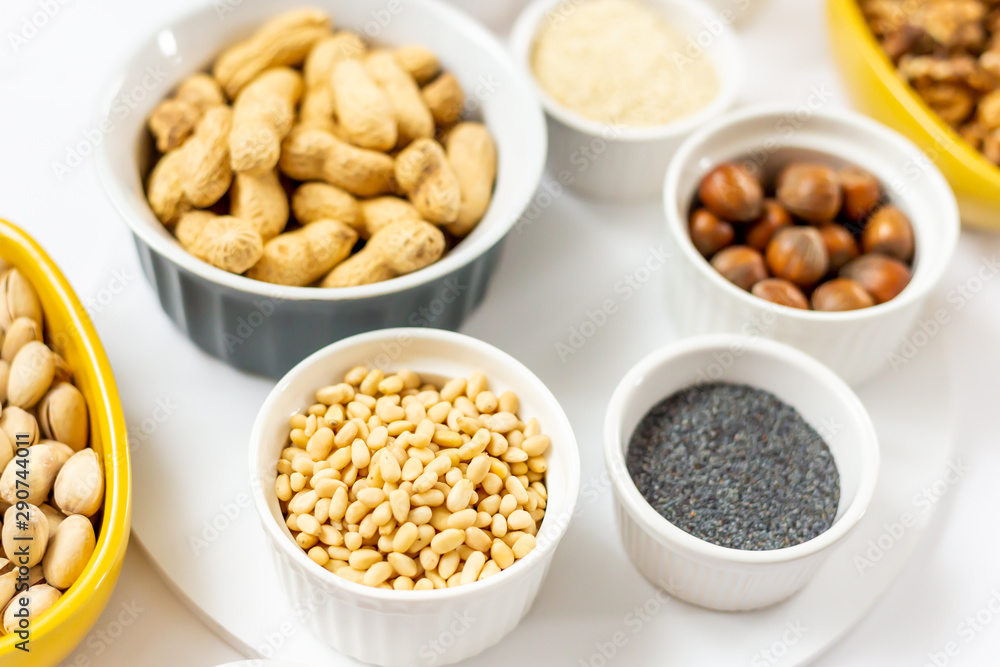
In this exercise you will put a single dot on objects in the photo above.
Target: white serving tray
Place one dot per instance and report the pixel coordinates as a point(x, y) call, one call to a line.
point(578, 298)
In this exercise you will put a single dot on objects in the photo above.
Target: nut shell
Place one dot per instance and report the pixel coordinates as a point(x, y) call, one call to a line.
point(18, 299)
point(31, 478)
point(775, 217)
point(28, 537)
point(840, 245)
point(810, 191)
point(889, 232)
point(841, 294)
point(62, 415)
point(79, 487)
point(861, 192)
point(882, 277)
point(798, 255)
point(31, 375)
point(741, 265)
point(709, 234)
point(782, 292)
point(15, 421)
point(732, 193)
point(69, 549)
point(40, 599)
point(22, 331)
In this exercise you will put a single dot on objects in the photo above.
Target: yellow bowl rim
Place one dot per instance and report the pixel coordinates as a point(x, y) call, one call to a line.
point(115, 524)
point(926, 117)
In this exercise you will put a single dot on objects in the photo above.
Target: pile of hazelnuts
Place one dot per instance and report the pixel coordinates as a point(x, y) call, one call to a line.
point(825, 239)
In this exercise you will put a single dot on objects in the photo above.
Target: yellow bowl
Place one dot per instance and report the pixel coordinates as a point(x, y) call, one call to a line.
point(880, 92)
point(57, 632)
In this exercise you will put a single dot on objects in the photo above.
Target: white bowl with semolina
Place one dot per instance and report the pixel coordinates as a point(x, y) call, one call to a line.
point(622, 83)
point(401, 627)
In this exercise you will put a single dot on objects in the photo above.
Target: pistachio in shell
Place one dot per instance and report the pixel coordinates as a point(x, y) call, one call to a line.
point(35, 474)
point(63, 372)
point(62, 415)
point(26, 533)
point(31, 375)
point(4, 377)
point(68, 551)
point(40, 598)
point(15, 421)
point(79, 487)
point(8, 586)
point(21, 332)
point(6, 450)
point(54, 516)
point(18, 299)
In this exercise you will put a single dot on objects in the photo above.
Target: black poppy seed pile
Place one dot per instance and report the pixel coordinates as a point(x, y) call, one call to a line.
point(735, 466)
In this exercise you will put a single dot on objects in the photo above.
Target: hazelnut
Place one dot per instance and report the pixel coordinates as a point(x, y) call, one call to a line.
point(709, 234)
point(810, 191)
point(740, 265)
point(841, 294)
point(777, 290)
point(840, 245)
point(799, 255)
point(774, 218)
point(889, 232)
point(731, 192)
point(862, 192)
point(883, 277)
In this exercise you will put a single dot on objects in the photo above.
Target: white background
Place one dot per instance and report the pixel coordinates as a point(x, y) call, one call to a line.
point(47, 93)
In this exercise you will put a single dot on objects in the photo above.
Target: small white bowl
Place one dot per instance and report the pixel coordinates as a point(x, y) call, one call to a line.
point(388, 627)
point(706, 574)
point(619, 162)
point(855, 344)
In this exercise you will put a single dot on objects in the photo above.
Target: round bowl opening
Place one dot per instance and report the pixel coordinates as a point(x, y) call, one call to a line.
point(495, 90)
point(822, 399)
point(709, 37)
point(765, 139)
point(436, 355)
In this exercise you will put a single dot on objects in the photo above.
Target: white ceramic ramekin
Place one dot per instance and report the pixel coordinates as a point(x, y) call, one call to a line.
point(695, 570)
point(617, 162)
point(395, 628)
point(265, 328)
point(855, 344)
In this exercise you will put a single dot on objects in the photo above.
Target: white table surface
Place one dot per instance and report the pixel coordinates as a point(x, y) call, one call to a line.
point(48, 83)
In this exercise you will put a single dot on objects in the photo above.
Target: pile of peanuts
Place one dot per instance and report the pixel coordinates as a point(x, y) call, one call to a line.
point(52, 485)
point(392, 482)
point(328, 146)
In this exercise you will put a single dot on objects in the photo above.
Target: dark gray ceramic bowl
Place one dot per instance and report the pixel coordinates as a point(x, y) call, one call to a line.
point(266, 328)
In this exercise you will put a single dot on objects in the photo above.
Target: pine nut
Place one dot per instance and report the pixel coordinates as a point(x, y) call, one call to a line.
point(399, 485)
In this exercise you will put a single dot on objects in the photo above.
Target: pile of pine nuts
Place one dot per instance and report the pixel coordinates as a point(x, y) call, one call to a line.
point(392, 482)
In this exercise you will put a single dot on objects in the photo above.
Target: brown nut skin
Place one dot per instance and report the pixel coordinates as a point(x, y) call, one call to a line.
point(774, 218)
point(799, 255)
point(840, 245)
point(732, 193)
point(861, 192)
point(782, 292)
point(883, 277)
point(741, 265)
point(841, 294)
point(810, 191)
point(709, 234)
point(889, 232)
